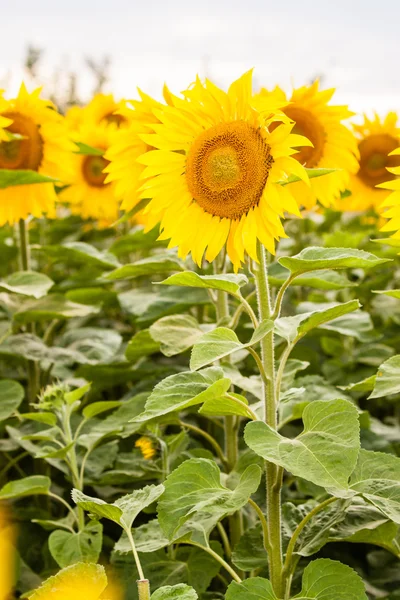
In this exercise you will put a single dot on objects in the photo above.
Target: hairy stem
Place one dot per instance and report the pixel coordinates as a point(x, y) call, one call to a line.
point(207, 437)
point(128, 532)
point(272, 471)
point(219, 559)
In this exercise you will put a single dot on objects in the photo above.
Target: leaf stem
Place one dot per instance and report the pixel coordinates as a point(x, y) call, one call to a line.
point(225, 540)
point(264, 524)
point(297, 532)
point(207, 437)
point(280, 294)
point(143, 589)
point(252, 414)
point(60, 499)
point(135, 553)
point(219, 559)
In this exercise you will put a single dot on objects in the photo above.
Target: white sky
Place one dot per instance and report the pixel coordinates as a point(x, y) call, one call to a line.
point(354, 44)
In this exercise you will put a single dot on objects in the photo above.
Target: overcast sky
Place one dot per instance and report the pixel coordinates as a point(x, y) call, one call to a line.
point(354, 44)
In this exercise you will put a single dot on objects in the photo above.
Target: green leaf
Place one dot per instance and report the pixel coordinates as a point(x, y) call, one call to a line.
point(67, 583)
point(321, 280)
point(27, 283)
point(52, 307)
point(183, 390)
point(315, 258)
point(180, 591)
point(31, 347)
point(221, 342)
point(325, 453)
point(80, 253)
point(124, 510)
point(28, 486)
point(88, 150)
point(326, 579)
point(147, 266)
point(96, 343)
point(391, 293)
point(387, 380)
point(365, 385)
point(255, 588)
point(75, 395)
point(11, 394)
point(377, 479)
point(97, 408)
point(9, 178)
point(229, 282)
point(292, 329)
point(249, 553)
point(68, 548)
point(148, 538)
point(227, 406)
point(47, 418)
point(312, 173)
point(142, 344)
point(194, 488)
point(176, 333)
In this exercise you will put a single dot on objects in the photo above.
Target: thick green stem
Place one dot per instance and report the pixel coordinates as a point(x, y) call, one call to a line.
point(273, 472)
point(73, 462)
point(25, 260)
point(143, 589)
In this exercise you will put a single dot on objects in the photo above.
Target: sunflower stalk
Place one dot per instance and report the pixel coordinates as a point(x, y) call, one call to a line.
point(25, 260)
point(273, 473)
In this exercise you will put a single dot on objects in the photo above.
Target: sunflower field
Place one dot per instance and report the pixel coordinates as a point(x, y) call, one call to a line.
point(199, 347)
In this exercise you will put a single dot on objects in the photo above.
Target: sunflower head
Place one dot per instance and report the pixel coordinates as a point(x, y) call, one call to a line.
point(38, 141)
point(7, 535)
point(81, 581)
point(146, 447)
point(377, 139)
point(333, 145)
point(214, 165)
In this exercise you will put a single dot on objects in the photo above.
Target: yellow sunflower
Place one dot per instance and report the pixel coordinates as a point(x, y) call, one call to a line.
point(44, 147)
point(214, 177)
point(392, 202)
point(103, 109)
point(334, 146)
point(4, 122)
point(88, 194)
point(123, 168)
point(7, 552)
point(377, 139)
point(81, 581)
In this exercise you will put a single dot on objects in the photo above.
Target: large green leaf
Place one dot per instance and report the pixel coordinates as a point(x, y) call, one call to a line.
point(321, 280)
point(27, 283)
point(255, 588)
point(326, 579)
point(249, 553)
point(147, 266)
point(54, 306)
point(229, 282)
point(325, 453)
point(28, 486)
point(234, 405)
point(176, 333)
point(11, 177)
point(95, 343)
point(183, 390)
point(31, 347)
point(181, 591)
point(315, 258)
point(221, 342)
point(377, 479)
point(387, 379)
point(292, 329)
point(194, 489)
point(11, 395)
point(68, 548)
point(124, 510)
point(80, 253)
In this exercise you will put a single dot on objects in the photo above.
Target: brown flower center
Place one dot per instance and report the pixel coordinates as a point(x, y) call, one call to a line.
point(92, 169)
point(308, 125)
point(374, 158)
point(118, 120)
point(227, 169)
point(26, 153)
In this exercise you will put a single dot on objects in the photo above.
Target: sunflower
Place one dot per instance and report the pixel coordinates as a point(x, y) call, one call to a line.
point(103, 109)
point(376, 141)
point(7, 552)
point(123, 168)
point(44, 147)
point(88, 195)
point(392, 202)
point(81, 581)
point(333, 146)
point(4, 122)
point(215, 175)
point(146, 447)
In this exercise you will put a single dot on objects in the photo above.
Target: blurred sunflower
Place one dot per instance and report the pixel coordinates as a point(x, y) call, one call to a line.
point(123, 168)
point(376, 141)
point(214, 178)
point(44, 147)
point(103, 109)
point(4, 122)
point(6, 555)
point(333, 145)
point(81, 581)
point(88, 195)
point(392, 202)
